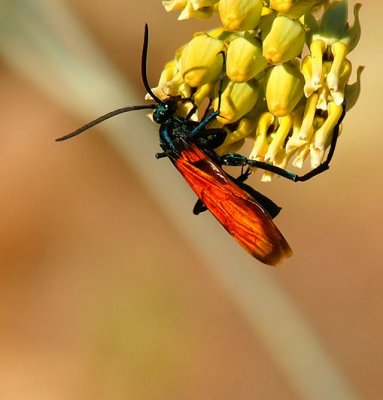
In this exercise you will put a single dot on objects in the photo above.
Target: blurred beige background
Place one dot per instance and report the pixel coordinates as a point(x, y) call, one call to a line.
point(104, 295)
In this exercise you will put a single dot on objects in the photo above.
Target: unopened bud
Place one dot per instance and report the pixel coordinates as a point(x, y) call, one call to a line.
point(293, 8)
point(284, 88)
point(244, 59)
point(237, 100)
point(200, 60)
point(240, 15)
point(284, 41)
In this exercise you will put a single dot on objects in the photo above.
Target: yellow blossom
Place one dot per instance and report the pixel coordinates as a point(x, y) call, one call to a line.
point(302, 135)
point(244, 59)
point(322, 136)
point(330, 35)
point(237, 99)
point(281, 68)
point(261, 141)
point(301, 156)
point(240, 15)
point(200, 60)
point(338, 86)
point(284, 41)
point(293, 8)
point(278, 138)
point(201, 9)
point(172, 5)
point(284, 88)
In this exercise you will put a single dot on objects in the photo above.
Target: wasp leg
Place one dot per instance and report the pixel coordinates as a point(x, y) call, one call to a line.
point(234, 159)
point(238, 160)
point(191, 112)
point(214, 114)
point(199, 207)
point(160, 155)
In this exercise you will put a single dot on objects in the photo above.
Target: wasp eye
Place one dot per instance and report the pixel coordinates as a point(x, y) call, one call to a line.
point(171, 106)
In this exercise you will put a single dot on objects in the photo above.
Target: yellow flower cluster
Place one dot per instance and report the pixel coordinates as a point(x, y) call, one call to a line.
point(285, 79)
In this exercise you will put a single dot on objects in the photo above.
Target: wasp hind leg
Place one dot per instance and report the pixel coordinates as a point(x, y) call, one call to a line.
point(160, 155)
point(234, 159)
point(267, 204)
point(199, 207)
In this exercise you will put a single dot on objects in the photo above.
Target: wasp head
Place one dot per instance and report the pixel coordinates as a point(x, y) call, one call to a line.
point(164, 111)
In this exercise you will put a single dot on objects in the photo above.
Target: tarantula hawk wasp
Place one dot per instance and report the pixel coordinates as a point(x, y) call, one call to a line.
point(245, 213)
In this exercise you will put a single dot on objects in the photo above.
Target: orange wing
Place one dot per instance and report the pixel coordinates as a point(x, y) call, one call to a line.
point(234, 208)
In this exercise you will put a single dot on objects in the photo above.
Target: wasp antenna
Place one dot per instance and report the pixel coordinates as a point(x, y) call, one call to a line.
point(144, 59)
point(103, 118)
point(220, 87)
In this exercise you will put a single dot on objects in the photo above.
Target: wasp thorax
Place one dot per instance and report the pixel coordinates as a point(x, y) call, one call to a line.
point(164, 111)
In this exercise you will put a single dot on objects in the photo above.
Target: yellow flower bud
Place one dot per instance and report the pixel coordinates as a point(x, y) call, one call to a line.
point(189, 12)
point(174, 5)
point(293, 8)
point(237, 100)
point(240, 15)
point(244, 59)
point(200, 60)
point(284, 88)
point(292, 106)
point(201, 9)
point(284, 41)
